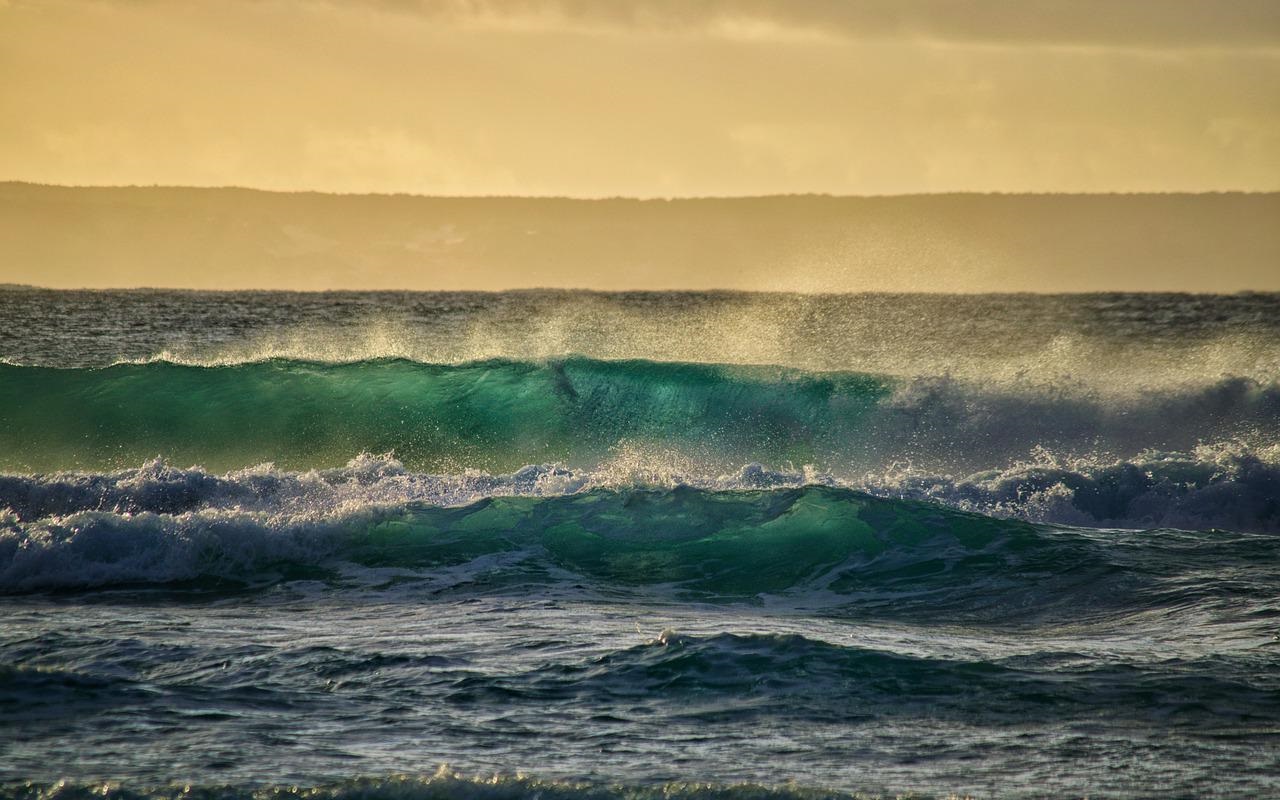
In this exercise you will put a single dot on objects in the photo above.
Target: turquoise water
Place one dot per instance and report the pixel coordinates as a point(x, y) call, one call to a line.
point(437, 546)
point(496, 414)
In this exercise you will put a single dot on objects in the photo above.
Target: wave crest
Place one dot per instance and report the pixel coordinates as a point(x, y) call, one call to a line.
point(1227, 486)
point(499, 415)
point(821, 547)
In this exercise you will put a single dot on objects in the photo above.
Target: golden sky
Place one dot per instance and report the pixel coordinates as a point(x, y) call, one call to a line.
point(646, 98)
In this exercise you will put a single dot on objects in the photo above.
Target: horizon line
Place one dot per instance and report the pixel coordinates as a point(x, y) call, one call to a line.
point(644, 198)
point(10, 286)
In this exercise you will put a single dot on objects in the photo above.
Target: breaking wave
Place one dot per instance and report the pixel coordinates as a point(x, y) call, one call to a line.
point(812, 545)
point(1228, 486)
point(498, 415)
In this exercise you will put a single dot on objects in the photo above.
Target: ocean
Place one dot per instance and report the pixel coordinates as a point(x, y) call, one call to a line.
point(576, 545)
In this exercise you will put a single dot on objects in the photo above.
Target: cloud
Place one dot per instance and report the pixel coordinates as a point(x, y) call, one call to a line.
point(651, 98)
point(1231, 25)
point(1214, 24)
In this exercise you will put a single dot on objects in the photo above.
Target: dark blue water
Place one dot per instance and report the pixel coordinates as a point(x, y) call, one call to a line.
point(649, 545)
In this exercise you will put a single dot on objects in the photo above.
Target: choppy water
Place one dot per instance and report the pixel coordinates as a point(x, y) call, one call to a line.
point(652, 545)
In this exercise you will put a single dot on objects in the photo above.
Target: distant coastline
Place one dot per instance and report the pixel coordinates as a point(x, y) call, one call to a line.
point(629, 198)
point(237, 238)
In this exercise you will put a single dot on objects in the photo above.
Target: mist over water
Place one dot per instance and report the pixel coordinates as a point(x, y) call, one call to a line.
point(1127, 342)
point(639, 544)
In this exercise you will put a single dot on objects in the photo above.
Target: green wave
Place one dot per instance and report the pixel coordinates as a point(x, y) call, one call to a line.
point(729, 544)
point(826, 544)
point(496, 415)
point(698, 543)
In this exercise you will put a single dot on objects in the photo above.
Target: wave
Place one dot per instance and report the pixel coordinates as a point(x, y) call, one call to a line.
point(498, 415)
point(738, 543)
point(36, 694)
point(444, 785)
point(1225, 486)
point(790, 675)
point(695, 677)
point(815, 547)
point(490, 414)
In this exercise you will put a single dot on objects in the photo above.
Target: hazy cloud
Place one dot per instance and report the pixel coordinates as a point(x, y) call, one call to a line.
point(1123, 23)
point(706, 98)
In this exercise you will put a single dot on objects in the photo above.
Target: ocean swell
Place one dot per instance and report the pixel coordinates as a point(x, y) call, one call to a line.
point(1227, 486)
point(812, 546)
point(490, 414)
point(445, 785)
point(730, 675)
point(682, 541)
point(499, 415)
